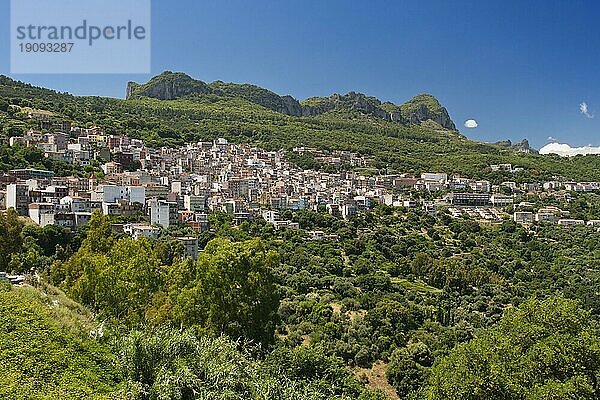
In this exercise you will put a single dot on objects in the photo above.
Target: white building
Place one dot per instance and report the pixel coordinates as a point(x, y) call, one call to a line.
point(114, 193)
point(194, 203)
point(270, 215)
point(541, 216)
point(139, 230)
point(481, 186)
point(434, 177)
point(162, 212)
point(570, 222)
point(17, 197)
point(190, 246)
point(523, 216)
point(501, 200)
point(38, 210)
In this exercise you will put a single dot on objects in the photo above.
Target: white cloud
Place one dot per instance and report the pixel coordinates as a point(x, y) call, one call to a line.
point(471, 123)
point(583, 108)
point(552, 139)
point(565, 150)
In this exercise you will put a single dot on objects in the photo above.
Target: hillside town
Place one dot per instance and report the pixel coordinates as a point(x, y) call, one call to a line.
point(159, 188)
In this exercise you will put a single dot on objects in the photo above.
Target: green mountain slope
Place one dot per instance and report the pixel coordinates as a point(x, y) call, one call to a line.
point(234, 113)
point(425, 107)
point(176, 85)
point(45, 350)
point(46, 353)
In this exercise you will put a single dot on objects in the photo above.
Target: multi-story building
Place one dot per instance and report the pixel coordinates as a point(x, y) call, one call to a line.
point(114, 193)
point(570, 222)
point(542, 216)
point(468, 199)
point(194, 203)
point(190, 246)
point(501, 200)
point(17, 197)
point(30, 173)
point(435, 177)
point(162, 212)
point(523, 216)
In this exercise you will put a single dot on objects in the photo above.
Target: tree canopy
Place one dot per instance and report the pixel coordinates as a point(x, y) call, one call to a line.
point(541, 350)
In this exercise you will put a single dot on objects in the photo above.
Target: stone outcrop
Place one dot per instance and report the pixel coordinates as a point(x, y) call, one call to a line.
point(175, 85)
point(425, 107)
point(522, 146)
point(167, 86)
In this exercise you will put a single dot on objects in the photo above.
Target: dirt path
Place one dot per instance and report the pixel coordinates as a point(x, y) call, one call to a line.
point(377, 379)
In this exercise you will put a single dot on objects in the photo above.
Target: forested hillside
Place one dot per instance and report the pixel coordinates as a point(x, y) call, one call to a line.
point(394, 146)
point(401, 289)
point(388, 303)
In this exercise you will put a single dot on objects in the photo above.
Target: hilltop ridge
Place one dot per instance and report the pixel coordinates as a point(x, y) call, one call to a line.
point(177, 85)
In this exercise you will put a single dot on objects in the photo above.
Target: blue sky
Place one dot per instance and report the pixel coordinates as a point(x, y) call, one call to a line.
point(521, 69)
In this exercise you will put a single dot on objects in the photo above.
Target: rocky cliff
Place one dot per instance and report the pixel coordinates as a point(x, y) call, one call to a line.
point(522, 146)
point(351, 101)
point(167, 86)
point(424, 107)
point(174, 85)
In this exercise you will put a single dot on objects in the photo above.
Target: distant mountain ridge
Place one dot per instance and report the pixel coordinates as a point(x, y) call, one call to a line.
point(175, 85)
point(522, 146)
